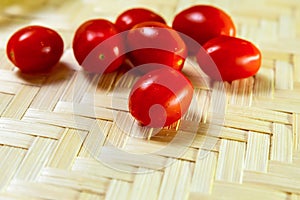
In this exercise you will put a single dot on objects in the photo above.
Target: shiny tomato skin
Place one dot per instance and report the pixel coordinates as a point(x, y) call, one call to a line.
point(160, 97)
point(234, 58)
point(202, 23)
point(96, 43)
point(35, 49)
point(129, 18)
point(154, 42)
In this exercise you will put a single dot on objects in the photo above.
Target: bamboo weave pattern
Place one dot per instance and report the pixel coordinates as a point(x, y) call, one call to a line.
point(253, 154)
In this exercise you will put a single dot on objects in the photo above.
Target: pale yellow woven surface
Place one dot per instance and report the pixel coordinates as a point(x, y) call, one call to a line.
point(257, 152)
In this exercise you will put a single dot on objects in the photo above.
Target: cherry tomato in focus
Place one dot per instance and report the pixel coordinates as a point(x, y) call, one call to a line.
point(202, 23)
point(128, 19)
point(160, 97)
point(234, 58)
point(35, 49)
point(98, 47)
point(154, 42)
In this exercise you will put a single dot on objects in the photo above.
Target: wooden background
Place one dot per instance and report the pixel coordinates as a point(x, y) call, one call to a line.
point(43, 138)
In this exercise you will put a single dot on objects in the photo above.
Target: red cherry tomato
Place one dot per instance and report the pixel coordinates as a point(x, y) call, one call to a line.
point(126, 20)
point(154, 42)
point(202, 23)
point(98, 47)
point(35, 49)
point(160, 97)
point(234, 58)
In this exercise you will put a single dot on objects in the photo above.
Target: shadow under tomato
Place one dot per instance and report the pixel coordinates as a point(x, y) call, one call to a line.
point(110, 82)
point(59, 73)
point(166, 134)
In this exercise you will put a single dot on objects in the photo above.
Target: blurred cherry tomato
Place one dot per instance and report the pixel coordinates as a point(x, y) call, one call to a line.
point(234, 58)
point(126, 20)
point(35, 49)
point(202, 23)
point(98, 46)
point(160, 97)
point(154, 42)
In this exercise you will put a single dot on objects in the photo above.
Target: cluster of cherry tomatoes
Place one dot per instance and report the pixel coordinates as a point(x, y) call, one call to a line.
point(163, 94)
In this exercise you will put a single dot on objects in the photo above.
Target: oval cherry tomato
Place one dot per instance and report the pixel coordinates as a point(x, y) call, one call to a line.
point(234, 58)
point(126, 20)
point(202, 23)
point(98, 47)
point(35, 49)
point(154, 42)
point(160, 97)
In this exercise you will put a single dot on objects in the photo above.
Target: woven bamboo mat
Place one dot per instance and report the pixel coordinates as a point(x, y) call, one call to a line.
point(50, 146)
